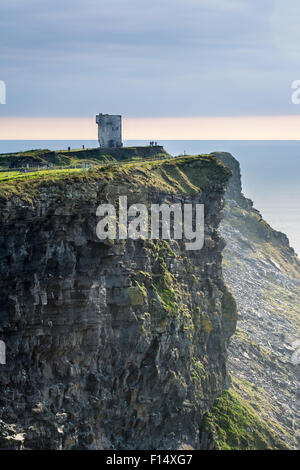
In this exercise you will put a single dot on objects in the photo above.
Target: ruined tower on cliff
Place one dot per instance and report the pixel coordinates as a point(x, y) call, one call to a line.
point(109, 130)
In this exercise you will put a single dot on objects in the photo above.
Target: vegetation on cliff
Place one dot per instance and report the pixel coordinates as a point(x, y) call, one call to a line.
point(180, 174)
point(232, 424)
point(263, 273)
point(45, 157)
point(125, 341)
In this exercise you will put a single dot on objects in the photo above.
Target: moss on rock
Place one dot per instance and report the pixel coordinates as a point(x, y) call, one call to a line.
point(232, 424)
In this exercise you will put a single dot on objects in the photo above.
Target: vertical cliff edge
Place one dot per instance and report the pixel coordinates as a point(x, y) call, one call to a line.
point(261, 410)
point(110, 345)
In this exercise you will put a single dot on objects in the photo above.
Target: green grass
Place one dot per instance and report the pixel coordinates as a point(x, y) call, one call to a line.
point(164, 283)
point(184, 175)
point(7, 176)
point(234, 425)
point(43, 157)
point(167, 296)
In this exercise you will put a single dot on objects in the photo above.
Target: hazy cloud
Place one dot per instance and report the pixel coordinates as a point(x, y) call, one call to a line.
point(164, 57)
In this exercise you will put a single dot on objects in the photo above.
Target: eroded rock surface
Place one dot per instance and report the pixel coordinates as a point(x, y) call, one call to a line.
point(110, 345)
point(263, 273)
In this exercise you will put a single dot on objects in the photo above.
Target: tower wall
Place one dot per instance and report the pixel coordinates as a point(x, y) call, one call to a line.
point(109, 130)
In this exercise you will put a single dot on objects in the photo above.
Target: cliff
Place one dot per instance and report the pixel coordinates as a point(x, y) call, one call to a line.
point(110, 345)
point(263, 273)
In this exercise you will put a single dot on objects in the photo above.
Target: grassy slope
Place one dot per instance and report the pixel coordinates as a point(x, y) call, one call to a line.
point(42, 157)
point(180, 174)
point(234, 425)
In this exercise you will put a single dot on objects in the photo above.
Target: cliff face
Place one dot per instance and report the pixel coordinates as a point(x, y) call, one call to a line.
point(263, 274)
point(110, 345)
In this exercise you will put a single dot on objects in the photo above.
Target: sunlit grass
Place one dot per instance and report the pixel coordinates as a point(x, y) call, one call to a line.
point(7, 176)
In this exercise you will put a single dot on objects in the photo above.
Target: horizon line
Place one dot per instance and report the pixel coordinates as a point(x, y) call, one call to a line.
point(269, 127)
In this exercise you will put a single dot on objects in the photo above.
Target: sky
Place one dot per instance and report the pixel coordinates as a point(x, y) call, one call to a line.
point(146, 60)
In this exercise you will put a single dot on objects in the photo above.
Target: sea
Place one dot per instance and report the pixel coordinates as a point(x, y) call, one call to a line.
point(270, 172)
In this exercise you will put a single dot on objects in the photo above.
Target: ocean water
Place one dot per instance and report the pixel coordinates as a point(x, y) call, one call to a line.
point(270, 172)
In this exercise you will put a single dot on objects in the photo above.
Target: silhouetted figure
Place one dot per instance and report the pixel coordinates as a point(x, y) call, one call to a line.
point(83, 147)
point(69, 148)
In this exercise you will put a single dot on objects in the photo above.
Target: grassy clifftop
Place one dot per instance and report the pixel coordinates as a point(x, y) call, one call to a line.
point(44, 157)
point(233, 424)
point(187, 174)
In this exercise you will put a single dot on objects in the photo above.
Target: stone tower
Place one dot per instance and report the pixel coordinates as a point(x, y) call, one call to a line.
point(109, 130)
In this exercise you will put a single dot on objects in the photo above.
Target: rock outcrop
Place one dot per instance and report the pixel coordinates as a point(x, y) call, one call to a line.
point(110, 345)
point(263, 273)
